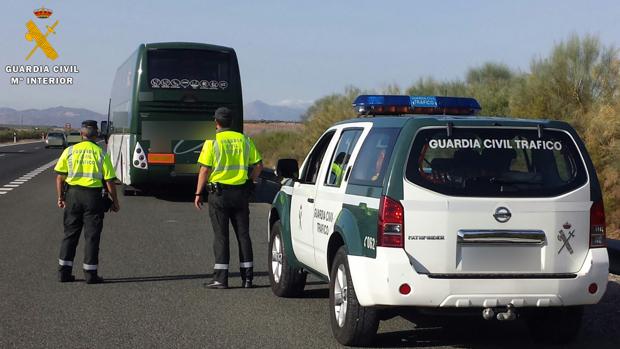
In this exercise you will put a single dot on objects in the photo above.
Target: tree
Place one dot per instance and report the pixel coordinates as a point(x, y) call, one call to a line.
point(578, 74)
point(491, 84)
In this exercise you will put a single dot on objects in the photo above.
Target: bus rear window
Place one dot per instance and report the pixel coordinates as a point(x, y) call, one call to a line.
point(188, 69)
point(491, 162)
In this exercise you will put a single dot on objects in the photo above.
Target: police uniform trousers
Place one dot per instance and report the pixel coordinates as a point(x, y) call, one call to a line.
point(231, 205)
point(83, 210)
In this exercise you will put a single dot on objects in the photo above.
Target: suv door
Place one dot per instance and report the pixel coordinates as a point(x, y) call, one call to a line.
point(302, 201)
point(330, 191)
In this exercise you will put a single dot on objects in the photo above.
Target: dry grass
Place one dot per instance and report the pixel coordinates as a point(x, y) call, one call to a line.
point(254, 128)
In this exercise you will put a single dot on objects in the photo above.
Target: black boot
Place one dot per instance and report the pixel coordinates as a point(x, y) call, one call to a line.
point(247, 275)
point(64, 274)
point(220, 279)
point(92, 277)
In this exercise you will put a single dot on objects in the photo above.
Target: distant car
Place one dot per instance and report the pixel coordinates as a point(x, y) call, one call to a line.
point(73, 138)
point(55, 139)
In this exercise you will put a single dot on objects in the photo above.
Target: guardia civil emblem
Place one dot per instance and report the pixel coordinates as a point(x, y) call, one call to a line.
point(564, 236)
point(39, 38)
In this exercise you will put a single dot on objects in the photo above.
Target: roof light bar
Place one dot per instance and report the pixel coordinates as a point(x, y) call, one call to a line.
point(400, 104)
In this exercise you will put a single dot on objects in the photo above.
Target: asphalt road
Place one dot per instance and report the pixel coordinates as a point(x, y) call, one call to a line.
point(156, 254)
point(17, 160)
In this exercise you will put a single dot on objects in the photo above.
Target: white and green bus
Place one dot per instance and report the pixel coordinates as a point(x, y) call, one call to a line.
point(161, 110)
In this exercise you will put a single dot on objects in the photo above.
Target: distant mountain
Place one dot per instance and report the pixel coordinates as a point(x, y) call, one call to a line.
point(286, 111)
point(58, 116)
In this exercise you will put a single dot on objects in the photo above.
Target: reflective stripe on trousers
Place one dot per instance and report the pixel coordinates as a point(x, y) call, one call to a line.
point(89, 266)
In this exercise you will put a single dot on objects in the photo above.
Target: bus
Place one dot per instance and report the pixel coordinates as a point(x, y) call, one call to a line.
point(161, 110)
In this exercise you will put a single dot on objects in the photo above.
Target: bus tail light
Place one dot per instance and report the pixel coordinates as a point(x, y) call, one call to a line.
point(391, 225)
point(161, 158)
point(597, 225)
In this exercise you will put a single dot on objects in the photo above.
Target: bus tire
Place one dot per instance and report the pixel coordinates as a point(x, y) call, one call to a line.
point(351, 323)
point(285, 280)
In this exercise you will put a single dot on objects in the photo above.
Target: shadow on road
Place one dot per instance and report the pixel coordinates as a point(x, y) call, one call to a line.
point(184, 191)
point(471, 331)
point(172, 277)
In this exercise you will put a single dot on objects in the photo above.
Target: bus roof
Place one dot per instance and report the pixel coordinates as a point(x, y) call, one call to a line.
point(187, 45)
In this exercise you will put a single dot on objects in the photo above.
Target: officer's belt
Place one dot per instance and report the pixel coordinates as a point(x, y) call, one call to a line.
point(79, 187)
point(231, 186)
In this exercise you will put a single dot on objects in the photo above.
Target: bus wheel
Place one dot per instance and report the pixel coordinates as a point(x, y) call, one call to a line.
point(130, 191)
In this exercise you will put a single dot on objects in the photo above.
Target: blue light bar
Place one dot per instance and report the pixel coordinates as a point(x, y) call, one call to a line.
point(399, 105)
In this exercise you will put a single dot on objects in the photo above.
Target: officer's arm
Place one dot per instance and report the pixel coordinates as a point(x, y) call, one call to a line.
point(203, 176)
point(112, 190)
point(60, 181)
point(256, 170)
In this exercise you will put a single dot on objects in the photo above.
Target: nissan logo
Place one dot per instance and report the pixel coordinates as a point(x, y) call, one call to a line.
point(502, 214)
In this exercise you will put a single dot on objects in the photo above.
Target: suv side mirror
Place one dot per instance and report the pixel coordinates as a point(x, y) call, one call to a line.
point(287, 168)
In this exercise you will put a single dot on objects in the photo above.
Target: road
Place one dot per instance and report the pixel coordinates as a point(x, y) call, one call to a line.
point(155, 256)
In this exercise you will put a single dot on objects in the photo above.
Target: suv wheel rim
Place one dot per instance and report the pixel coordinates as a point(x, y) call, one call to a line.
point(340, 295)
point(276, 258)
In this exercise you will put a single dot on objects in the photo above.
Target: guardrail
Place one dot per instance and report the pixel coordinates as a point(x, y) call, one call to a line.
point(613, 249)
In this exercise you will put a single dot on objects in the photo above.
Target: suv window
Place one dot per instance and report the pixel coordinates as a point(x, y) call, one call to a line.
point(341, 156)
point(311, 170)
point(374, 156)
point(483, 162)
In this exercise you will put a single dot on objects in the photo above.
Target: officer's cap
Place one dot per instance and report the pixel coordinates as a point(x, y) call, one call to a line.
point(89, 123)
point(223, 114)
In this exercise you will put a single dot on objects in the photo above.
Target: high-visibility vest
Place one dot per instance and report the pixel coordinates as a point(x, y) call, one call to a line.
point(229, 156)
point(85, 164)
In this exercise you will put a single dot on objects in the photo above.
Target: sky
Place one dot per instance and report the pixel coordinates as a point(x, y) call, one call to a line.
point(294, 52)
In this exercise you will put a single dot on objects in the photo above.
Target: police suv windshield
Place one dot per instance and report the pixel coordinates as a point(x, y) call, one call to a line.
point(491, 162)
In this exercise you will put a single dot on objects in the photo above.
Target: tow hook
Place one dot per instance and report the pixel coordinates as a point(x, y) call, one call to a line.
point(509, 315)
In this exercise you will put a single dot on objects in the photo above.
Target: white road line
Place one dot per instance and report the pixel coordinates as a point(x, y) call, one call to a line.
point(25, 178)
point(1, 155)
point(37, 147)
point(21, 151)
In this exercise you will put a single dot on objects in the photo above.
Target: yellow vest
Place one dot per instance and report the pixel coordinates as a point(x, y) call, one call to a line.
point(85, 164)
point(229, 155)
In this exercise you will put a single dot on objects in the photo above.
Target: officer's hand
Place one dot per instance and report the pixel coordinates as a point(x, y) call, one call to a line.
point(61, 203)
point(198, 202)
point(115, 206)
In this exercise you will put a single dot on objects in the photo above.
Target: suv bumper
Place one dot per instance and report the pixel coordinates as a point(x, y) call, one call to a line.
point(377, 281)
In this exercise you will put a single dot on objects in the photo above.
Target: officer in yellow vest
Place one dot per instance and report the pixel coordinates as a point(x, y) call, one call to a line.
point(225, 163)
point(84, 168)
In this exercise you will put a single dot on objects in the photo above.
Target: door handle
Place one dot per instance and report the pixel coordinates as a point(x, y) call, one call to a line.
point(311, 200)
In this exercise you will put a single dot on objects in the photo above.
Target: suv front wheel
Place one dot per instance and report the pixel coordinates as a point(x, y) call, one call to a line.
point(285, 280)
point(352, 324)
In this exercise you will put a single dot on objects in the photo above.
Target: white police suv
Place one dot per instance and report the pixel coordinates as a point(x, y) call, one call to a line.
point(442, 210)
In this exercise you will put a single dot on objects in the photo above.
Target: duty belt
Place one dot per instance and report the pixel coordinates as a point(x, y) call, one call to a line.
point(79, 187)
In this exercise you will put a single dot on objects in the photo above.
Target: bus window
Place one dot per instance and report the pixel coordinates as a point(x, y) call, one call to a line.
point(188, 69)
